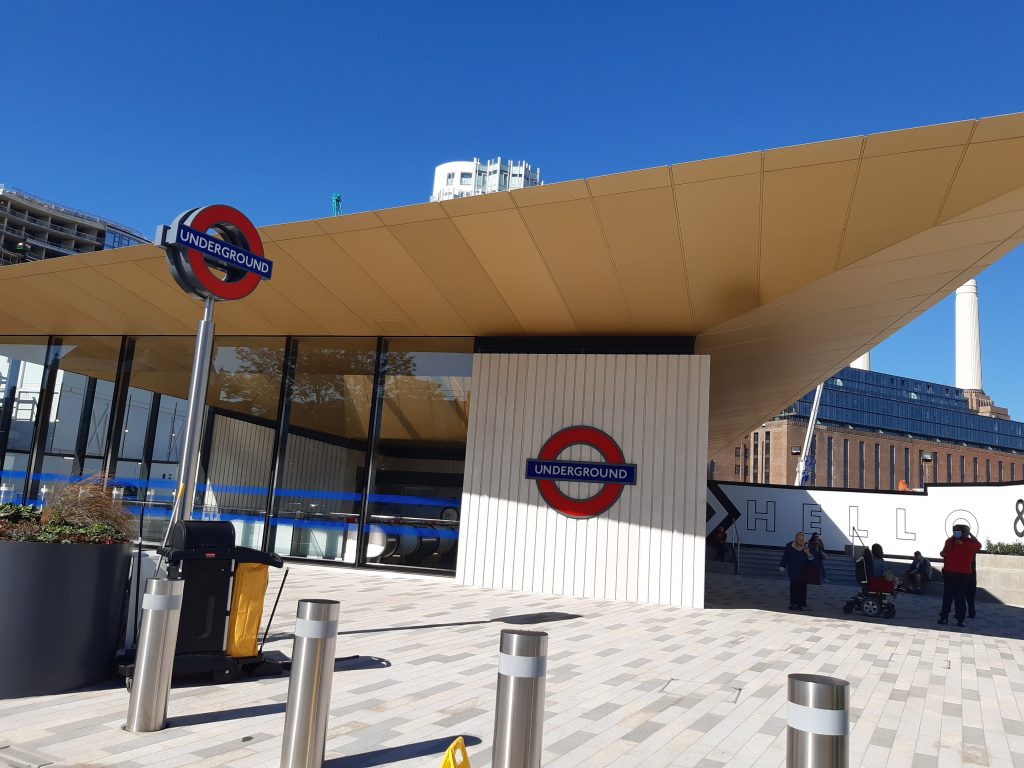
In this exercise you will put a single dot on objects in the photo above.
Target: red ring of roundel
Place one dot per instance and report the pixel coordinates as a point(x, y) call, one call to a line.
point(208, 217)
point(600, 502)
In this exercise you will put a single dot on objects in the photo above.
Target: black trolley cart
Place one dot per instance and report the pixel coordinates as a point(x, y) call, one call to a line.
point(203, 553)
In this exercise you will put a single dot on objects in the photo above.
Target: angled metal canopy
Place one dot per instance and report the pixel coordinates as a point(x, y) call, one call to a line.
point(785, 264)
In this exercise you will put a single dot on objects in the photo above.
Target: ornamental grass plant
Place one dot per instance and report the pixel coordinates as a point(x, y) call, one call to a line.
point(81, 511)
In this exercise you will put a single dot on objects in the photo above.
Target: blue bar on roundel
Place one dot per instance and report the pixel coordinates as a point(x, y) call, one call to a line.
point(581, 472)
point(223, 252)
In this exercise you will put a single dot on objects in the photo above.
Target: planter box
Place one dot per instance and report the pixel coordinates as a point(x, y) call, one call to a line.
point(1002, 576)
point(61, 608)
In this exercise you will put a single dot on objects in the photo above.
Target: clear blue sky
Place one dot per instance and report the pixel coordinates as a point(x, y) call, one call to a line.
point(132, 112)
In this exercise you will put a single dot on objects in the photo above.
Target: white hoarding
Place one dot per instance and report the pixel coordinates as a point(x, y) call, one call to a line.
point(900, 522)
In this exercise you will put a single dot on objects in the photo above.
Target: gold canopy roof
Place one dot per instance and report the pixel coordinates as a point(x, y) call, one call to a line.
point(784, 264)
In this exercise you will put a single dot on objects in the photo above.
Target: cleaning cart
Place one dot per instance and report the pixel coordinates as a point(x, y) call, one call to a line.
point(222, 605)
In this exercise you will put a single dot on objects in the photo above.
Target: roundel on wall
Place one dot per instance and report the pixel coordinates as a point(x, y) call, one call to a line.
point(610, 475)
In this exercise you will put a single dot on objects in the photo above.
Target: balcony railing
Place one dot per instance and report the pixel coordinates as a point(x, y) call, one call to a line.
point(49, 225)
point(43, 203)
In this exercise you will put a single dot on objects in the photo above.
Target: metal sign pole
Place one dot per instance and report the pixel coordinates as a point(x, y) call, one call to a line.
point(227, 265)
point(188, 467)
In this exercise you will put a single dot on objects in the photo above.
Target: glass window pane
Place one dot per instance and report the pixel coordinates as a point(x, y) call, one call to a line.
point(415, 501)
point(136, 417)
point(324, 470)
point(80, 410)
point(158, 387)
point(69, 397)
point(245, 376)
point(243, 394)
point(103, 404)
point(21, 360)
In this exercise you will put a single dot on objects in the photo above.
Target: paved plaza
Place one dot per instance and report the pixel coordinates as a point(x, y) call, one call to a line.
point(617, 692)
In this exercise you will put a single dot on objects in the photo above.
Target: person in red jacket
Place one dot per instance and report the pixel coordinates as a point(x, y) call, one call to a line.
point(957, 554)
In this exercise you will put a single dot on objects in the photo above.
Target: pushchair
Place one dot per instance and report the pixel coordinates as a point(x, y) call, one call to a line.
point(876, 595)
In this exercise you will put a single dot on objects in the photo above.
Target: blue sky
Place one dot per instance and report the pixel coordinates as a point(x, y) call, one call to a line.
point(135, 113)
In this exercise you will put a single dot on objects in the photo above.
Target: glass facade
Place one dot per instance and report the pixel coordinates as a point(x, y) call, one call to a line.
point(909, 408)
point(23, 366)
point(413, 505)
point(343, 449)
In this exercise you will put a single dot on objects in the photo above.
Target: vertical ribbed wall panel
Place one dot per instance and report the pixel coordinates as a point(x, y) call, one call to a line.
point(318, 467)
point(649, 546)
point(240, 455)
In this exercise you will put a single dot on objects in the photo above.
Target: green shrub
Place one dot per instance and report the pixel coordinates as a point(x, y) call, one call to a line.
point(18, 513)
point(999, 548)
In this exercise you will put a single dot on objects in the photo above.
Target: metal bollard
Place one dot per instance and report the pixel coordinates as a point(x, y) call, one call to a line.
point(154, 660)
point(819, 722)
point(309, 686)
point(519, 710)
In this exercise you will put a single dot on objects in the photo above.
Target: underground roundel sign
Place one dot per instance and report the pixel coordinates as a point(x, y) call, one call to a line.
point(610, 475)
point(215, 237)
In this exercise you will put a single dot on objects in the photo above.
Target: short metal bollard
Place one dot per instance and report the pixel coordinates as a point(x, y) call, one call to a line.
point(519, 710)
point(154, 660)
point(309, 686)
point(818, 717)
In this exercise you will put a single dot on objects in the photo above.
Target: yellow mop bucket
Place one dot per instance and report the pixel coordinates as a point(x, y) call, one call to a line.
point(455, 756)
point(246, 609)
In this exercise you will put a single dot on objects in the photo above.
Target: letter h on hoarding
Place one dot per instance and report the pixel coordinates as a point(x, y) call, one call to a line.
point(767, 516)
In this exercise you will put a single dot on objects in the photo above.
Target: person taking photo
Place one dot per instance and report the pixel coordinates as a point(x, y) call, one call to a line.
point(957, 554)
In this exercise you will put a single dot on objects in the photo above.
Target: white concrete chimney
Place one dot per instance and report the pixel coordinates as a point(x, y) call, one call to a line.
point(968, 337)
point(862, 363)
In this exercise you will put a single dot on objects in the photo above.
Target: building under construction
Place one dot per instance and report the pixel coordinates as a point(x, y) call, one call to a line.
point(33, 229)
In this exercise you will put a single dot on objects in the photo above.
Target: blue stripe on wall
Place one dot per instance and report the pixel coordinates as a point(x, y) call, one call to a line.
point(288, 493)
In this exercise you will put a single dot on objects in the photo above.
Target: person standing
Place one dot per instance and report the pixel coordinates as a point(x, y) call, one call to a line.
point(719, 537)
point(957, 554)
point(818, 548)
point(972, 581)
point(795, 558)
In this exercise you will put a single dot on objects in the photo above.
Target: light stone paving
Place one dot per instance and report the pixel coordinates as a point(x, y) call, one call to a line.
point(628, 685)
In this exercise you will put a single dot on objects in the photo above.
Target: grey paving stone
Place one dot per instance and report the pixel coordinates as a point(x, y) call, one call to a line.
point(570, 742)
point(643, 731)
point(625, 681)
point(598, 713)
point(1013, 727)
point(774, 726)
point(460, 717)
point(883, 737)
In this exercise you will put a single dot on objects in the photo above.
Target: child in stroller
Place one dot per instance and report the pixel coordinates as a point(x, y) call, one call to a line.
point(877, 592)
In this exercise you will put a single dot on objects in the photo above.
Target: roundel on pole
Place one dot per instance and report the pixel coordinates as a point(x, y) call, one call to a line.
point(612, 474)
point(234, 250)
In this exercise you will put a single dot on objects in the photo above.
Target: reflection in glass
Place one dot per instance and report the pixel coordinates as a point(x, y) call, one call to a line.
point(409, 492)
point(147, 468)
point(317, 509)
point(414, 505)
point(80, 408)
point(243, 394)
point(21, 363)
